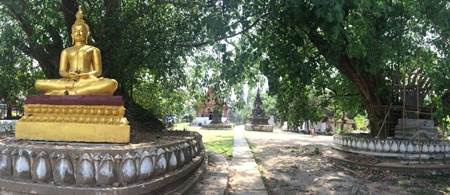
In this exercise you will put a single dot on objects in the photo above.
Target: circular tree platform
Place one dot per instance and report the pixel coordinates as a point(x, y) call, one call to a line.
point(167, 165)
point(408, 156)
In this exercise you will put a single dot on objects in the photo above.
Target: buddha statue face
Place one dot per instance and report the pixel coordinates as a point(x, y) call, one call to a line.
point(80, 30)
point(80, 33)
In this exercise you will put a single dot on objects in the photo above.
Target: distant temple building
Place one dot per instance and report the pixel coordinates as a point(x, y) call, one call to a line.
point(205, 110)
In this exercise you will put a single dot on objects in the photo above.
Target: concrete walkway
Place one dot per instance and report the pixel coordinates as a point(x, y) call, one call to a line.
point(244, 177)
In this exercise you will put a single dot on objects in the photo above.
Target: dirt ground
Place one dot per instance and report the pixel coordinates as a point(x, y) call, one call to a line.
point(292, 163)
point(214, 181)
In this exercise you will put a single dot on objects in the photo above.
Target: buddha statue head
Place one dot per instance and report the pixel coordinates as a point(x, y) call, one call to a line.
point(80, 30)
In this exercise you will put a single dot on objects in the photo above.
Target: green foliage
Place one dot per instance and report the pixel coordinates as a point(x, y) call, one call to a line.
point(144, 44)
point(17, 74)
point(445, 125)
point(361, 122)
point(320, 57)
point(218, 68)
point(154, 96)
point(346, 56)
point(242, 115)
point(269, 104)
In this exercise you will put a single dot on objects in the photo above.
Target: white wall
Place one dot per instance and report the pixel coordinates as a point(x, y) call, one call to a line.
point(198, 121)
point(271, 120)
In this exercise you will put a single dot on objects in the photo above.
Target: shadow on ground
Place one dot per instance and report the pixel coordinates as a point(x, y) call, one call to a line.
point(296, 166)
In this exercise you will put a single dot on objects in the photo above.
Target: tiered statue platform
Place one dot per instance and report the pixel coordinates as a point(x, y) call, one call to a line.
point(218, 126)
point(168, 164)
point(258, 127)
point(74, 118)
point(416, 129)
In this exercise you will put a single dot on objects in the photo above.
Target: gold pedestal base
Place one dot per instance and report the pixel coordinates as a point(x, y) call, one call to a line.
point(79, 132)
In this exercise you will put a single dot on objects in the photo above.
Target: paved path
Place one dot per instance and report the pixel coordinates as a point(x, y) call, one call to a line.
point(244, 175)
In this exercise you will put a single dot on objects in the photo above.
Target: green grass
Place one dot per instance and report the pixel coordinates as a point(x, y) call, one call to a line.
point(223, 146)
point(217, 141)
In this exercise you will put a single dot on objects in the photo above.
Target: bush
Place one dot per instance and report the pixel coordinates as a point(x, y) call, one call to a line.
point(361, 122)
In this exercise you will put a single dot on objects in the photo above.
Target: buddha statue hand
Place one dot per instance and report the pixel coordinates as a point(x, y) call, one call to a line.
point(74, 76)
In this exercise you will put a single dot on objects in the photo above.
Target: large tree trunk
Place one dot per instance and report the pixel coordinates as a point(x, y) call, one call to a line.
point(367, 85)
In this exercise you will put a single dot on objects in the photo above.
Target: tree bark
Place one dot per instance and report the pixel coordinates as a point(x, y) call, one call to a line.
point(367, 85)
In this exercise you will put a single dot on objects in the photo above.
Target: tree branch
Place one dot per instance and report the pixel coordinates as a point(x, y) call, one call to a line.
point(47, 61)
point(199, 44)
point(14, 13)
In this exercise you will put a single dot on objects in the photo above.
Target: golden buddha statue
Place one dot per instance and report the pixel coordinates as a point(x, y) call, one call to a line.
point(80, 67)
point(89, 113)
